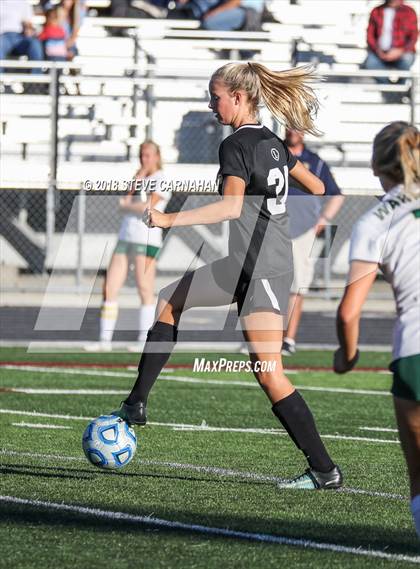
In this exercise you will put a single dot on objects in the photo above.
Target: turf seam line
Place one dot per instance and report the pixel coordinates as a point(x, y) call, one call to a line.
point(207, 469)
point(209, 530)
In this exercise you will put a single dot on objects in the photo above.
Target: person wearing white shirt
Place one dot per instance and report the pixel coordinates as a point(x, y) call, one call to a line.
point(136, 243)
point(17, 32)
point(388, 237)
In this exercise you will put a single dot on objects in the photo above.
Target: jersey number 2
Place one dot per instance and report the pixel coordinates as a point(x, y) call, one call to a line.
point(275, 178)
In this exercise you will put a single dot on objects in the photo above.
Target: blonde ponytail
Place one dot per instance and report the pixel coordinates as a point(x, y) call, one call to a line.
point(396, 156)
point(287, 94)
point(409, 149)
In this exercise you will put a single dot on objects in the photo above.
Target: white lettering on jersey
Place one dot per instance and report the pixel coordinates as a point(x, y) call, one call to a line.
point(277, 205)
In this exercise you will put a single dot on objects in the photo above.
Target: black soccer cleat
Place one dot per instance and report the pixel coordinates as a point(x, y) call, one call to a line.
point(288, 348)
point(313, 480)
point(132, 414)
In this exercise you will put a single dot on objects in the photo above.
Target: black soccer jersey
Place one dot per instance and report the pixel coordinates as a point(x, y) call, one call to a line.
point(259, 239)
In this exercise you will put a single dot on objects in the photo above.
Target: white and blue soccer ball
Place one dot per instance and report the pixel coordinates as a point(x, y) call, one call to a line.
point(109, 442)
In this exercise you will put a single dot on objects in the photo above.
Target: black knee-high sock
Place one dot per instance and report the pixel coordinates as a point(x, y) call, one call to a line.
point(161, 340)
point(296, 417)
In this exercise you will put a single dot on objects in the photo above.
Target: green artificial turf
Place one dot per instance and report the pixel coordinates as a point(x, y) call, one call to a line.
point(161, 481)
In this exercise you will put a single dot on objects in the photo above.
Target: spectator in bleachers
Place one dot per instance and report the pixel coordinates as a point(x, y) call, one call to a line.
point(233, 15)
point(192, 9)
point(74, 12)
point(17, 32)
point(53, 35)
point(391, 36)
point(138, 8)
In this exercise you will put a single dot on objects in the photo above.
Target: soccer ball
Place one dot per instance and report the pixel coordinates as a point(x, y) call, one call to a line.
point(109, 442)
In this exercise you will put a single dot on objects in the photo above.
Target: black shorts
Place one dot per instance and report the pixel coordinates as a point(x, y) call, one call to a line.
point(220, 284)
point(253, 295)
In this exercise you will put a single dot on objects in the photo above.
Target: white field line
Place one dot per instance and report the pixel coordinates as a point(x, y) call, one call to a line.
point(223, 472)
point(187, 379)
point(40, 426)
point(201, 428)
point(207, 428)
point(208, 530)
point(53, 391)
point(379, 429)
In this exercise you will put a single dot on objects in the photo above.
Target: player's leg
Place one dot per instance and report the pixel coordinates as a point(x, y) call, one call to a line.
point(304, 266)
point(115, 278)
point(261, 309)
point(295, 314)
point(145, 269)
point(408, 420)
point(406, 392)
point(263, 332)
point(198, 288)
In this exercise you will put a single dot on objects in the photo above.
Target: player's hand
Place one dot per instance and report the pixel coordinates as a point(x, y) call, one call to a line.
point(155, 218)
point(341, 364)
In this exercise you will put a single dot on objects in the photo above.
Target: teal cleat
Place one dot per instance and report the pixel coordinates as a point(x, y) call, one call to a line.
point(314, 480)
point(132, 414)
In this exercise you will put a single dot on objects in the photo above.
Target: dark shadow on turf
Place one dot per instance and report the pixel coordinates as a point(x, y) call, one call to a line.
point(392, 541)
point(41, 471)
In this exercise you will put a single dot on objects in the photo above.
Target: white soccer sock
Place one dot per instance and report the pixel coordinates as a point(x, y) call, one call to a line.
point(109, 315)
point(290, 341)
point(146, 318)
point(415, 510)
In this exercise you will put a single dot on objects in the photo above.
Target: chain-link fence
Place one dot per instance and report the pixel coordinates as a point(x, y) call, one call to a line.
point(59, 130)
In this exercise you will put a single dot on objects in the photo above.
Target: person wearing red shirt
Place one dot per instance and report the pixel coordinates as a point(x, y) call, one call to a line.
point(391, 36)
point(53, 36)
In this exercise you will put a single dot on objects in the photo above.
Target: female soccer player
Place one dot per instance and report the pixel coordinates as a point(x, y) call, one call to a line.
point(137, 241)
point(388, 237)
point(258, 271)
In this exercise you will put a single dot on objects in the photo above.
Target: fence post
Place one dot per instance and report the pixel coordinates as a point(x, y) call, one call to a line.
point(413, 91)
point(135, 95)
point(150, 98)
point(327, 263)
point(81, 222)
point(52, 181)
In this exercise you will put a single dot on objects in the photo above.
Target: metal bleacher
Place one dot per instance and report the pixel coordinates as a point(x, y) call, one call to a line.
point(162, 67)
point(85, 120)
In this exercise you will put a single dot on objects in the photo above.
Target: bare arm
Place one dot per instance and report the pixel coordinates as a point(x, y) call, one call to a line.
point(330, 210)
point(311, 183)
point(361, 278)
point(229, 207)
point(332, 207)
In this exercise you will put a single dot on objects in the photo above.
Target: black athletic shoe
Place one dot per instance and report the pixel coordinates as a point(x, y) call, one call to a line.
point(288, 348)
point(314, 480)
point(133, 414)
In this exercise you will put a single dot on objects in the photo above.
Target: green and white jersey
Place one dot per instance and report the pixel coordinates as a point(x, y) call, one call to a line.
point(133, 229)
point(389, 234)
